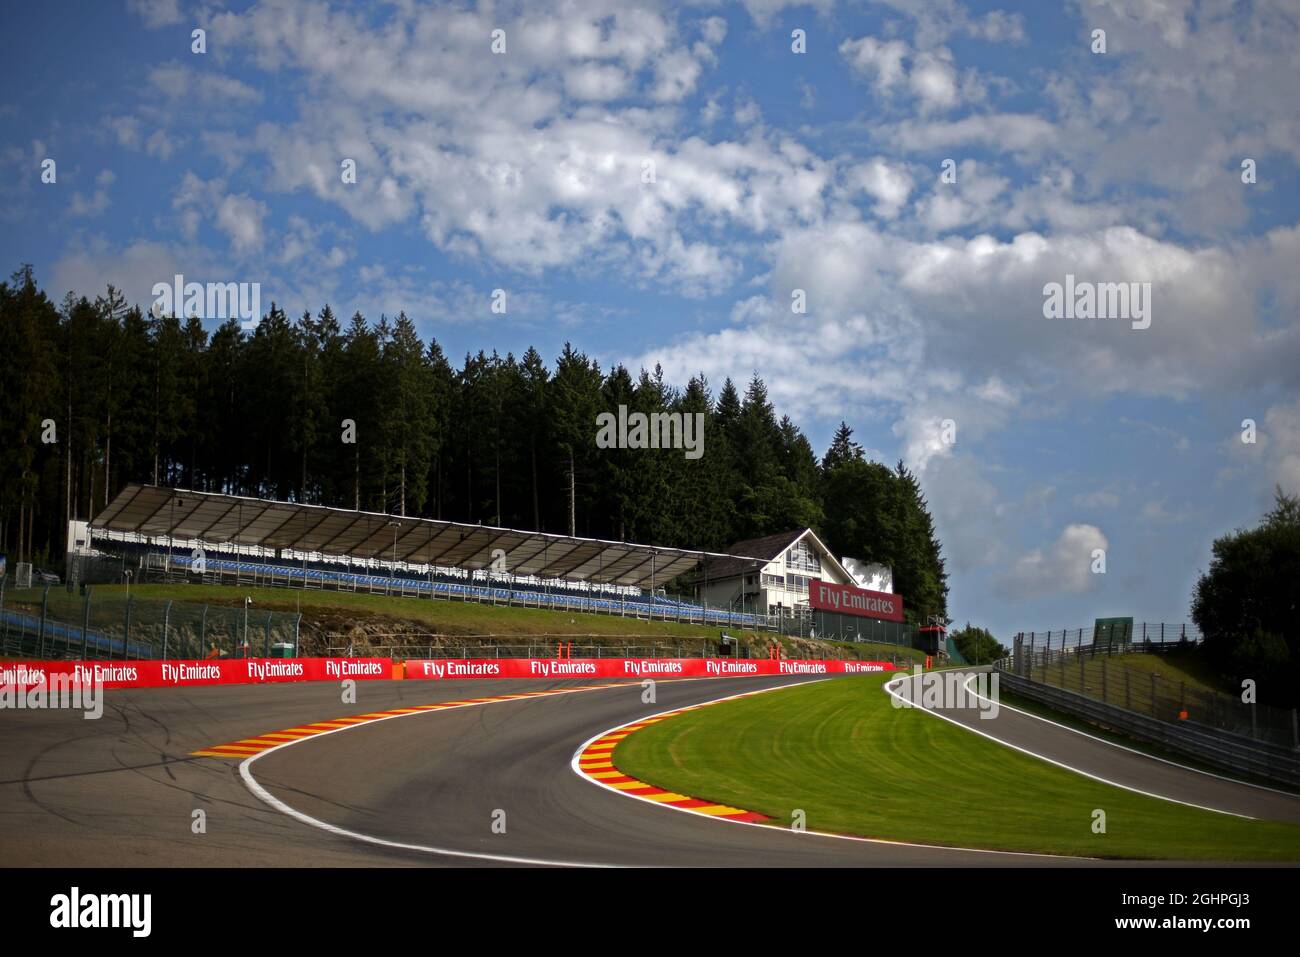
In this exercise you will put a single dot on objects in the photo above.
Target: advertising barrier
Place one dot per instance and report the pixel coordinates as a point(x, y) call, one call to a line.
point(226, 671)
point(445, 668)
point(194, 673)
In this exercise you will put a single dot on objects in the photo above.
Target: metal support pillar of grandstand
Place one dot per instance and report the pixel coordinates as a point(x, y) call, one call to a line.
point(171, 535)
point(428, 554)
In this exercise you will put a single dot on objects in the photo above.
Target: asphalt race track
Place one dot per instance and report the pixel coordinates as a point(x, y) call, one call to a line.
point(121, 791)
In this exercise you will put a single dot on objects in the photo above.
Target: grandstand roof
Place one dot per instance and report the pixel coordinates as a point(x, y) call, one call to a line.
point(216, 518)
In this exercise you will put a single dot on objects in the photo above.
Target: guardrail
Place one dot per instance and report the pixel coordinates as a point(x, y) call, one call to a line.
point(1185, 732)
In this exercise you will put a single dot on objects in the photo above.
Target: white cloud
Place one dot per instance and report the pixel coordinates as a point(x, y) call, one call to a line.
point(595, 81)
point(879, 60)
point(179, 82)
point(1063, 566)
point(934, 81)
point(156, 13)
point(889, 184)
point(97, 203)
point(238, 216)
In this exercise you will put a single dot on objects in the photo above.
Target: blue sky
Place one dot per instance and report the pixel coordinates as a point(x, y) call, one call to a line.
point(774, 171)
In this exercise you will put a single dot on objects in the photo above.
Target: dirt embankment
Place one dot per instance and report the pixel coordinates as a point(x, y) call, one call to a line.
point(326, 631)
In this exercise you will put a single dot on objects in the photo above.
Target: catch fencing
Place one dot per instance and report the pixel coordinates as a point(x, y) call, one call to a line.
point(793, 623)
point(55, 621)
point(1071, 671)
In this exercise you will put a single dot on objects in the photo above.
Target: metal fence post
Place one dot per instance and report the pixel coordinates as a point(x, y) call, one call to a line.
point(85, 627)
point(40, 634)
point(1153, 694)
point(167, 620)
point(126, 626)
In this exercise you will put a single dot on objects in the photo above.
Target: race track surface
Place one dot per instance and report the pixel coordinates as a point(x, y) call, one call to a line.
point(121, 791)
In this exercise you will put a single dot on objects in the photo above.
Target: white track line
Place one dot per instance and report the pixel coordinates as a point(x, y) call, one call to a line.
point(263, 795)
point(573, 764)
point(1145, 754)
point(1060, 764)
point(266, 797)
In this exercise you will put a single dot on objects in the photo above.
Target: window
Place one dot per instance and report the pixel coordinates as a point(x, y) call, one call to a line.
point(798, 583)
point(802, 558)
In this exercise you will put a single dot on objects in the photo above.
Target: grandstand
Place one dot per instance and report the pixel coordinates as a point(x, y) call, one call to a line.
point(165, 534)
point(157, 532)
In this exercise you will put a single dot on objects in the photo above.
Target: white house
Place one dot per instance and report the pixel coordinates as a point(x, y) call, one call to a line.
point(770, 575)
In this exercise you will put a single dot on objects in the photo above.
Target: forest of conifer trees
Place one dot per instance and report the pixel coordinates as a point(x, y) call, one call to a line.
point(504, 441)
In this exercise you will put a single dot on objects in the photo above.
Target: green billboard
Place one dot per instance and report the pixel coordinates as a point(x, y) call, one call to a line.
point(1109, 632)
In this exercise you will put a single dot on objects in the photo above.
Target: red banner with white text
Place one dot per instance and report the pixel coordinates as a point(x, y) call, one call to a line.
point(637, 668)
point(851, 600)
point(227, 671)
point(218, 671)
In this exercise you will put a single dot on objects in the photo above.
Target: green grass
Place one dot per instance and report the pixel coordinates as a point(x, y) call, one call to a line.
point(854, 764)
point(1174, 668)
point(329, 618)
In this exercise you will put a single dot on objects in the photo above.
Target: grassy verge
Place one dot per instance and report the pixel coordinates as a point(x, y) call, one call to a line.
point(361, 619)
point(1171, 669)
point(854, 764)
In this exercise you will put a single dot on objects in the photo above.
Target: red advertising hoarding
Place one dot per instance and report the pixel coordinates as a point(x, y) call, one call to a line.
point(193, 673)
point(851, 600)
point(226, 671)
point(633, 668)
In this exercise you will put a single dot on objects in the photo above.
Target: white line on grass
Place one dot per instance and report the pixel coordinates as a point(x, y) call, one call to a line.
point(1145, 754)
point(1060, 764)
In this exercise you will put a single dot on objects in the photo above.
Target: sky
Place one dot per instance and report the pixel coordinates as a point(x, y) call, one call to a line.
point(864, 203)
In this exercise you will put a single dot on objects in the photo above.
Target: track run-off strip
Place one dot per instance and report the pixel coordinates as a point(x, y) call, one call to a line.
point(594, 761)
point(248, 747)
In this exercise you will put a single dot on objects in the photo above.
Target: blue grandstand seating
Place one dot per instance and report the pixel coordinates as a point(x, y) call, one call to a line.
point(320, 574)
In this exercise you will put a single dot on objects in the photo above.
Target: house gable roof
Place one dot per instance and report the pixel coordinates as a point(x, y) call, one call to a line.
point(762, 550)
